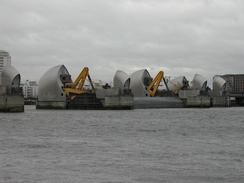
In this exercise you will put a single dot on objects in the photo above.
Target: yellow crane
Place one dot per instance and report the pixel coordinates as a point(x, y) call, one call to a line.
point(77, 87)
point(153, 87)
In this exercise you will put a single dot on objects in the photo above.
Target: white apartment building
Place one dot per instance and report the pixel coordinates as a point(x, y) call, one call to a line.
point(30, 89)
point(5, 60)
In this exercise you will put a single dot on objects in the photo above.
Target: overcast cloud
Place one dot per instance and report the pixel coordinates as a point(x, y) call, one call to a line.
point(182, 37)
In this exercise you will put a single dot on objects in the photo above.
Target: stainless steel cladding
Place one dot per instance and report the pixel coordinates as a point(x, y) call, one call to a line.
point(121, 80)
point(139, 81)
point(219, 85)
point(10, 81)
point(10, 77)
point(11, 95)
point(199, 83)
point(51, 84)
point(178, 83)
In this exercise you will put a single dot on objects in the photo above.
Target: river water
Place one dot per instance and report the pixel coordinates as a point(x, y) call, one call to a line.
point(148, 146)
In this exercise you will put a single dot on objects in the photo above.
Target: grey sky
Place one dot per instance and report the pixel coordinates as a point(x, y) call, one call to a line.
point(182, 37)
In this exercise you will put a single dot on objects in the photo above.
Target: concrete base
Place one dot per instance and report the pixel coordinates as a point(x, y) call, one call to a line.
point(51, 105)
point(89, 102)
point(220, 101)
point(184, 94)
point(3, 90)
point(85, 101)
point(113, 98)
point(157, 102)
point(110, 92)
point(11, 104)
point(198, 101)
point(119, 102)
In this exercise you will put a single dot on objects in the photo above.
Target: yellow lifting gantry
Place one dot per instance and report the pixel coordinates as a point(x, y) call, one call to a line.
point(153, 87)
point(77, 87)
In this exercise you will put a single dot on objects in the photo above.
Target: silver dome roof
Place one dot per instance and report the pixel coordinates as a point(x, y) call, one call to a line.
point(10, 77)
point(139, 81)
point(51, 84)
point(121, 80)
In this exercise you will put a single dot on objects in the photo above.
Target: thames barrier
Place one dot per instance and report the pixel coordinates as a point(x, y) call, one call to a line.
point(138, 90)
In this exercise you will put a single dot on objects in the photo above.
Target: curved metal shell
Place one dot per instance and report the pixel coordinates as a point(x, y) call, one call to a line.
point(51, 84)
point(139, 81)
point(199, 82)
point(10, 77)
point(219, 85)
point(176, 84)
point(121, 80)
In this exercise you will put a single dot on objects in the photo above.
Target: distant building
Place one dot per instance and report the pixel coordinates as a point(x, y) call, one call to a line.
point(5, 60)
point(234, 84)
point(233, 87)
point(30, 89)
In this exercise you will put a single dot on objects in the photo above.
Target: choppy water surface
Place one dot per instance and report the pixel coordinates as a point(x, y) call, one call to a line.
point(148, 146)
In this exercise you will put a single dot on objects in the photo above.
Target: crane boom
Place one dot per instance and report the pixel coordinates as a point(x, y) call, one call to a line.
point(77, 86)
point(153, 87)
point(80, 80)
